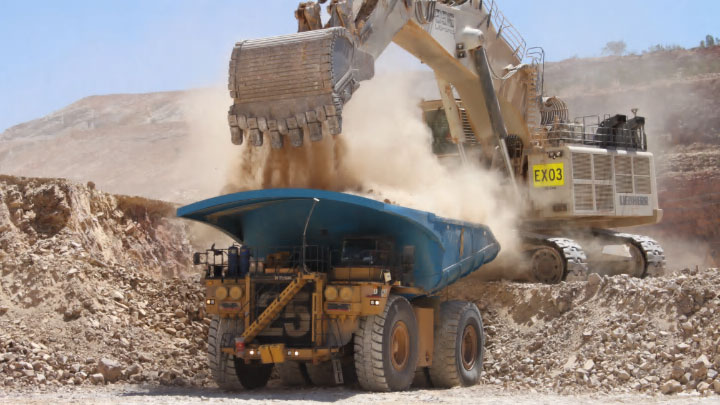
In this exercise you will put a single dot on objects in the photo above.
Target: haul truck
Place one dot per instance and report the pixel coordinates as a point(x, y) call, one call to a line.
point(328, 287)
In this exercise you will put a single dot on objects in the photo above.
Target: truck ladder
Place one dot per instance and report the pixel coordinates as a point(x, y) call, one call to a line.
point(274, 308)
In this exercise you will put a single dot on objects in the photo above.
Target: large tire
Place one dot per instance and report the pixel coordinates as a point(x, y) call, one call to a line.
point(254, 375)
point(222, 365)
point(229, 373)
point(293, 373)
point(459, 345)
point(386, 347)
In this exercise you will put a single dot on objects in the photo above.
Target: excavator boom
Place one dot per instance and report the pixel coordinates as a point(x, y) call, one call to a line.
point(290, 88)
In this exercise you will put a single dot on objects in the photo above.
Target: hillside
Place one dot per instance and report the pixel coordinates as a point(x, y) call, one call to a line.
point(677, 91)
point(158, 145)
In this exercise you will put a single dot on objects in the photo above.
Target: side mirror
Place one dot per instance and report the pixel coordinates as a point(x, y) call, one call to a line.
point(198, 258)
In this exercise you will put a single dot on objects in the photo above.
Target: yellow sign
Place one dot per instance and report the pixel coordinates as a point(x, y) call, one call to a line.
point(551, 175)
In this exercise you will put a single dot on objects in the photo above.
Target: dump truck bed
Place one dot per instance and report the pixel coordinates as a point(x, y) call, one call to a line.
point(445, 250)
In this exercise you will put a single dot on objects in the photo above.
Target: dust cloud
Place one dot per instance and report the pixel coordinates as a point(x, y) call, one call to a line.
point(385, 154)
point(205, 155)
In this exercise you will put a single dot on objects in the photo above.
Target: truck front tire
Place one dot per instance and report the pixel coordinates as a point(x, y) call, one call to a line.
point(230, 373)
point(222, 365)
point(386, 347)
point(459, 345)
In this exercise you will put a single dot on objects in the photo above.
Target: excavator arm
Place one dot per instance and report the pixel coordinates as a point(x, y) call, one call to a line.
point(291, 88)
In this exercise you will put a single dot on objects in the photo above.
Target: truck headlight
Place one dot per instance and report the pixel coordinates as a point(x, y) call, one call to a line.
point(346, 293)
point(331, 293)
point(236, 292)
point(221, 293)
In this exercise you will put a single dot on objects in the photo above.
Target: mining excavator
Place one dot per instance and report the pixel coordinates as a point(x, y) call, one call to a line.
point(581, 178)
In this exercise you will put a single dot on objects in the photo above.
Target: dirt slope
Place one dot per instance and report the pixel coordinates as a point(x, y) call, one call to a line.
point(606, 334)
point(94, 283)
point(157, 145)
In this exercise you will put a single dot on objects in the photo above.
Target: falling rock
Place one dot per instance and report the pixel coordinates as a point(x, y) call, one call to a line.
point(110, 369)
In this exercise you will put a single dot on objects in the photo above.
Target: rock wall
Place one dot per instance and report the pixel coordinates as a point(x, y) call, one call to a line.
point(95, 288)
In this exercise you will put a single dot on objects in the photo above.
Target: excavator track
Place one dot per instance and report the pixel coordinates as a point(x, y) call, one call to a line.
point(553, 259)
point(293, 87)
point(576, 266)
point(651, 250)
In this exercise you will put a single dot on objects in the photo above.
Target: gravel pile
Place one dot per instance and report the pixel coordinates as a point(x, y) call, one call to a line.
point(606, 334)
point(95, 288)
point(98, 289)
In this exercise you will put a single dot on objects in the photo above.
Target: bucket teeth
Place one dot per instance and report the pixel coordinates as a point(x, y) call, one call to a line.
point(294, 86)
point(236, 136)
point(256, 137)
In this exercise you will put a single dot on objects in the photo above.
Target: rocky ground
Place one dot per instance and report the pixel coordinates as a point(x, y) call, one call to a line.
point(97, 289)
point(138, 394)
point(607, 334)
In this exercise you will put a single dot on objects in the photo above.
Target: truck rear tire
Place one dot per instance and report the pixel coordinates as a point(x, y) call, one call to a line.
point(459, 345)
point(222, 365)
point(293, 373)
point(386, 347)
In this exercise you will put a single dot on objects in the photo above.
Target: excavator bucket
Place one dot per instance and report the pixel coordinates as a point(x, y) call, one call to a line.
point(292, 87)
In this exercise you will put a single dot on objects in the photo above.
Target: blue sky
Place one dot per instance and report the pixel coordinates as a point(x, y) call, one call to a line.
point(55, 52)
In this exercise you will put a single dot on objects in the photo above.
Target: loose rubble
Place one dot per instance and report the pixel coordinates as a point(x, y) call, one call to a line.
point(657, 335)
point(98, 289)
point(91, 285)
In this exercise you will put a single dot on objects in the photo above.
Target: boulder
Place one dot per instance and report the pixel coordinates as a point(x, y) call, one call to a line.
point(110, 369)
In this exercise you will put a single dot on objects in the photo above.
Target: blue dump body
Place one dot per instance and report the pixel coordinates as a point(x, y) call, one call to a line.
point(445, 250)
